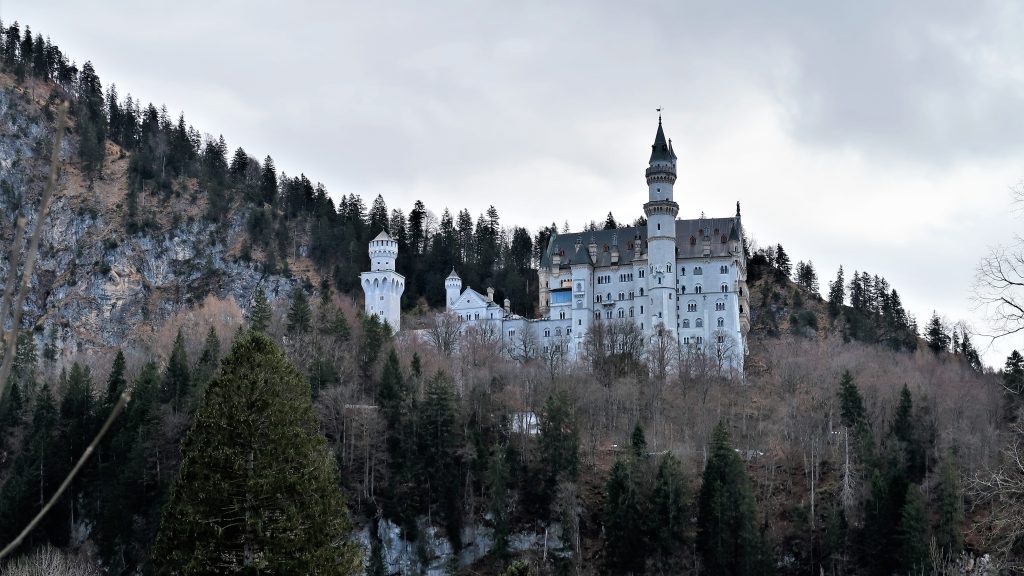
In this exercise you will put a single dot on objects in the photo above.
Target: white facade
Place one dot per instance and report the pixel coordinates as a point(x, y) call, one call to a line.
point(686, 276)
point(383, 286)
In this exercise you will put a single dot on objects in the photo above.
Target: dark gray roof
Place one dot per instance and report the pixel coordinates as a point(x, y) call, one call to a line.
point(573, 248)
point(662, 148)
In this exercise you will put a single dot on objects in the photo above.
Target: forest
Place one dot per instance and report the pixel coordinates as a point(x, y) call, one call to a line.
point(296, 435)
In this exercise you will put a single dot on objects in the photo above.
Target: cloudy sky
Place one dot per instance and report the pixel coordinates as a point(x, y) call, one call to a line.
point(878, 135)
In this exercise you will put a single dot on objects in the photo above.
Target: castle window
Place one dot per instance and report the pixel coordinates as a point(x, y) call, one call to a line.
point(719, 306)
point(700, 322)
point(476, 316)
point(686, 340)
point(547, 333)
point(608, 314)
point(622, 313)
point(693, 240)
point(723, 270)
point(659, 226)
point(698, 289)
point(631, 312)
point(545, 349)
point(622, 295)
point(511, 333)
point(641, 309)
point(641, 272)
point(669, 295)
point(568, 330)
point(721, 339)
point(579, 322)
point(721, 322)
point(691, 307)
point(725, 287)
point(700, 340)
point(683, 290)
point(605, 247)
point(741, 308)
point(641, 325)
point(597, 315)
point(561, 315)
point(682, 271)
point(558, 331)
point(724, 239)
point(698, 270)
point(381, 298)
point(641, 291)
point(686, 323)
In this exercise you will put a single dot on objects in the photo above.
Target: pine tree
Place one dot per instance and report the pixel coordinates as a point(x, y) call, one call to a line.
point(727, 534)
point(177, 381)
point(669, 514)
point(260, 314)
point(836, 294)
point(851, 403)
point(258, 488)
point(638, 441)
point(497, 484)
point(209, 358)
point(558, 441)
point(439, 436)
point(1013, 372)
point(268, 181)
point(913, 532)
point(625, 535)
point(116, 383)
point(782, 262)
point(936, 334)
point(949, 534)
point(300, 316)
point(609, 222)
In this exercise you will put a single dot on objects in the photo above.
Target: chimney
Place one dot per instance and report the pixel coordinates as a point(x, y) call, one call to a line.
point(490, 294)
point(556, 261)
point(508, 306)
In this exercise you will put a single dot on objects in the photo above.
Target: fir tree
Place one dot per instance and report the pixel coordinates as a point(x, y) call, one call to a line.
point(497, 484)
point(177, 381)
point(836, 294)
point(913, 533)
point(209, 358)
point(1013, 372)
point(300, 316)
point(727, 534)
point(936, 334)
point(625, 541)
point(638, 441)
point(949, 534)
point(439, 436)
point(268, 181)
point(258, 489)
point(609, 222)
point(116, 382)
point(260, 314)
point(782, 262)
point(559, 441)
point(669, 514)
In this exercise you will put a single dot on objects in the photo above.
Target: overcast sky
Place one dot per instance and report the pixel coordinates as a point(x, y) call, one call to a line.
point(879, 135)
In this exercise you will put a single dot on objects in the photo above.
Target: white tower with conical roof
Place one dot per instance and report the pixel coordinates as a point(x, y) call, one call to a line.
point(383, 286)
point(661, 210)
point(453, 289)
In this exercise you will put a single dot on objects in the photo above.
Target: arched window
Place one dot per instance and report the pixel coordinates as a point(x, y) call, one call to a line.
point(682, 271)
point(724, 239)
point(558, 331)
point(698, 270)
point(719, 306)
point(630, 311)
point(691, 306)
point(683, 290)
point(698, 289)
point(725, 287)
point(693, 240)
point(700, 322)
point(622, 313)
point(686, 322)
point(641, 291)
point(547, 333)
point(723, 270)
point(721, 322)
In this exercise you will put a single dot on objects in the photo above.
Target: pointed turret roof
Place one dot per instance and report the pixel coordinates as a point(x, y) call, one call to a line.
point(661, 149)
point(383, 236)
point(454, 275)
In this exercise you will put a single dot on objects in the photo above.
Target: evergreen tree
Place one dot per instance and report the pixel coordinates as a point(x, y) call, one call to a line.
point(1013, 372)
point(258, 489)
point(727, 534)
point(559, 441)
point(439, 437)
point(669, 514)
point(497, 484)
point(836, 294)
point(239, 166)
point(851, 403)
point(376, 566)
point(300, 316)
point(639, 442)
point(609, 222)
point(268, 180)
point(936, 334)
point(116, 383)
point(913, 533)
point(260, 314)
point(177, 381)
point(209, 358)
point(782, 262)
point(949, 534)
point(625, 541)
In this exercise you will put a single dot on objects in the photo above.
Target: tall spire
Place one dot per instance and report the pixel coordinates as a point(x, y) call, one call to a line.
point(661, 149)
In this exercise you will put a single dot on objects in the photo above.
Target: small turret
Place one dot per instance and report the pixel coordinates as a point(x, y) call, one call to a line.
point(453, 288)
point(490, 294)
point(383, 252)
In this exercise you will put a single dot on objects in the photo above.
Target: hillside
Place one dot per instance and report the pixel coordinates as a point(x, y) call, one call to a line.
point(844, 449)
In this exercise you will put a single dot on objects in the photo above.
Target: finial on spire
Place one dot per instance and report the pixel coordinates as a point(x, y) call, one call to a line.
point(737, 208)
point(659, 115)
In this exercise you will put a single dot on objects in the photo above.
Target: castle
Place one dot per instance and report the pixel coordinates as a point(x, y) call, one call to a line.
point(687, 276)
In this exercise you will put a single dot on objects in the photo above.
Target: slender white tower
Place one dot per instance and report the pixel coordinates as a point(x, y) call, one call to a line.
point(661, 211)
point(453, 289)
point(383, 286)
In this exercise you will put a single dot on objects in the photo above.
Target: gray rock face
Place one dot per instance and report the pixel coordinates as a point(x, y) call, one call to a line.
point(92, 281)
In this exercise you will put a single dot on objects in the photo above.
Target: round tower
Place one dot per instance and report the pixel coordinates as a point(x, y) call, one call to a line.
point(661, 210)
point(453, 288)
point(383, 252)
point(383, 286)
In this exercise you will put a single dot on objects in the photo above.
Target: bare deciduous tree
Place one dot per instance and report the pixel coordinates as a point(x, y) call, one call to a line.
point(1001, 491)
point(444, 332)
point(999, 283)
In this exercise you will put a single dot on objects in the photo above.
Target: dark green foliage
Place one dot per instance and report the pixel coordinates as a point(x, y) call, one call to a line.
point(948, 531)
point(851, 403)
point(638, 442)
point(258, 491)
point(558, 442)
point(836, 294)
point(936, 334)
point(300, 316)
point(375, 336)
point(727, 535)
point(669, 507)
point(260, 314)
point(439, 438)
point(609, 222)
point(37, 472)
point(1013, 373)
point(177, 382)
point(497, 486)
point(376, 565)
point(209, 359)
point(913, 532)
point(116, 383)
point(625, 516)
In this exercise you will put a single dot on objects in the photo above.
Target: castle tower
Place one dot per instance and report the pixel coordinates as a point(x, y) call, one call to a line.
point(453, 288)
point(383, 286)
point(661, 211)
